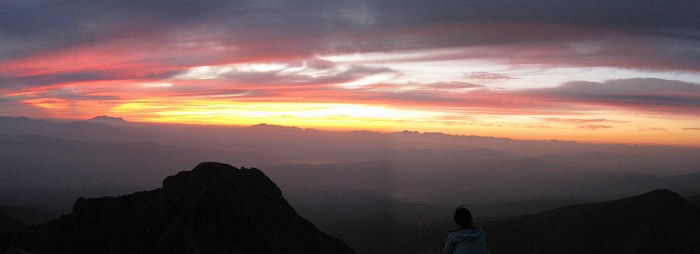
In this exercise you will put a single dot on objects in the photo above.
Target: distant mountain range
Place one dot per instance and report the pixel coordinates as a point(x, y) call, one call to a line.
point(214, 208)
point(660, 221)
point(269, 145)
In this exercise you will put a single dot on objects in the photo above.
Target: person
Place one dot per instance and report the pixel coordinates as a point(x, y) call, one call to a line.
point(466, 239)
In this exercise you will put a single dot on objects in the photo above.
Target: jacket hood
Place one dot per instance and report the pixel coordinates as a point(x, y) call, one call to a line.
point(470, 235)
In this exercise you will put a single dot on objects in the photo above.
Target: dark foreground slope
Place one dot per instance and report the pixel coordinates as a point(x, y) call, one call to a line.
point(660, 221)
point(695, 199)
point(215, 208)
point(9, 224)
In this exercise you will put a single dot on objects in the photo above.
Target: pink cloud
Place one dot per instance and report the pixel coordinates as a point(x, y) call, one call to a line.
point(579, 120)
point(593, 127)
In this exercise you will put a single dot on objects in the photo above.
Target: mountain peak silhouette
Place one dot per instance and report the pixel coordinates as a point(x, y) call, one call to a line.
point(108, 120)
point(214, 208)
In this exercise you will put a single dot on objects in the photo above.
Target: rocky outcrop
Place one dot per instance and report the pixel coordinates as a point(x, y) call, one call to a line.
point(214, 208)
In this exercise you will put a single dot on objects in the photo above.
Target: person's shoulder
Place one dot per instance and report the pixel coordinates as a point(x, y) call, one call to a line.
point(454, 233)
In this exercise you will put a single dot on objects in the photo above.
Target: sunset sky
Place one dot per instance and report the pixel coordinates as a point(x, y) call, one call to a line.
point(593, 71)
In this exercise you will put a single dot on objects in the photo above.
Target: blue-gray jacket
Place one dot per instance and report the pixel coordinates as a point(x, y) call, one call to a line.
point(466, 241)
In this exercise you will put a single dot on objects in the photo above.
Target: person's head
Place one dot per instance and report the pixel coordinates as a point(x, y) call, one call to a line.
point(463, 217)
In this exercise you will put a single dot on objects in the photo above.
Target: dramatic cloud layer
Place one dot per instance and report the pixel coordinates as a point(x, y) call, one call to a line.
point(507, 68)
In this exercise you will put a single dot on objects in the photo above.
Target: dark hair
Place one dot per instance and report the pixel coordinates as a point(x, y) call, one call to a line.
point(463, 217)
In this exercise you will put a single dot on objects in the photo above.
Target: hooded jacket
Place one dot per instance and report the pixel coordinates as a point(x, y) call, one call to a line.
point(466, 241)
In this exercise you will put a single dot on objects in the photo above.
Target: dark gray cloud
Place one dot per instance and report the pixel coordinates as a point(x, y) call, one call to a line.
point(41, 80)
point(637, 91)
point(597, 13)
point(30, 26)
point(73, 94)
point(15, 82)
point(647, 95)
point(657, 96)
point(306, 27)
point(4, 99)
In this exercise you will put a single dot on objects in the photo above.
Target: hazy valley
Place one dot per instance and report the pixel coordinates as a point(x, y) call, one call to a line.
point(357, 186)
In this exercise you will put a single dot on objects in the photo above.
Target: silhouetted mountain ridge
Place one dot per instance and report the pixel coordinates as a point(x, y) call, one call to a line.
point(214, 208)
point(660, 221)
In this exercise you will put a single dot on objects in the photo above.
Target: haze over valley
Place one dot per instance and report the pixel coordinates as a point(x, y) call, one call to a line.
point(406, 181)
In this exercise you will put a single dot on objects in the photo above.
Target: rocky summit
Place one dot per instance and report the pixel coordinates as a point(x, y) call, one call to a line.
point(214, 208)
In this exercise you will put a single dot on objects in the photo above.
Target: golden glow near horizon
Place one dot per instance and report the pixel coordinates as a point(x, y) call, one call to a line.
point(631, 129)
point(335, 116)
